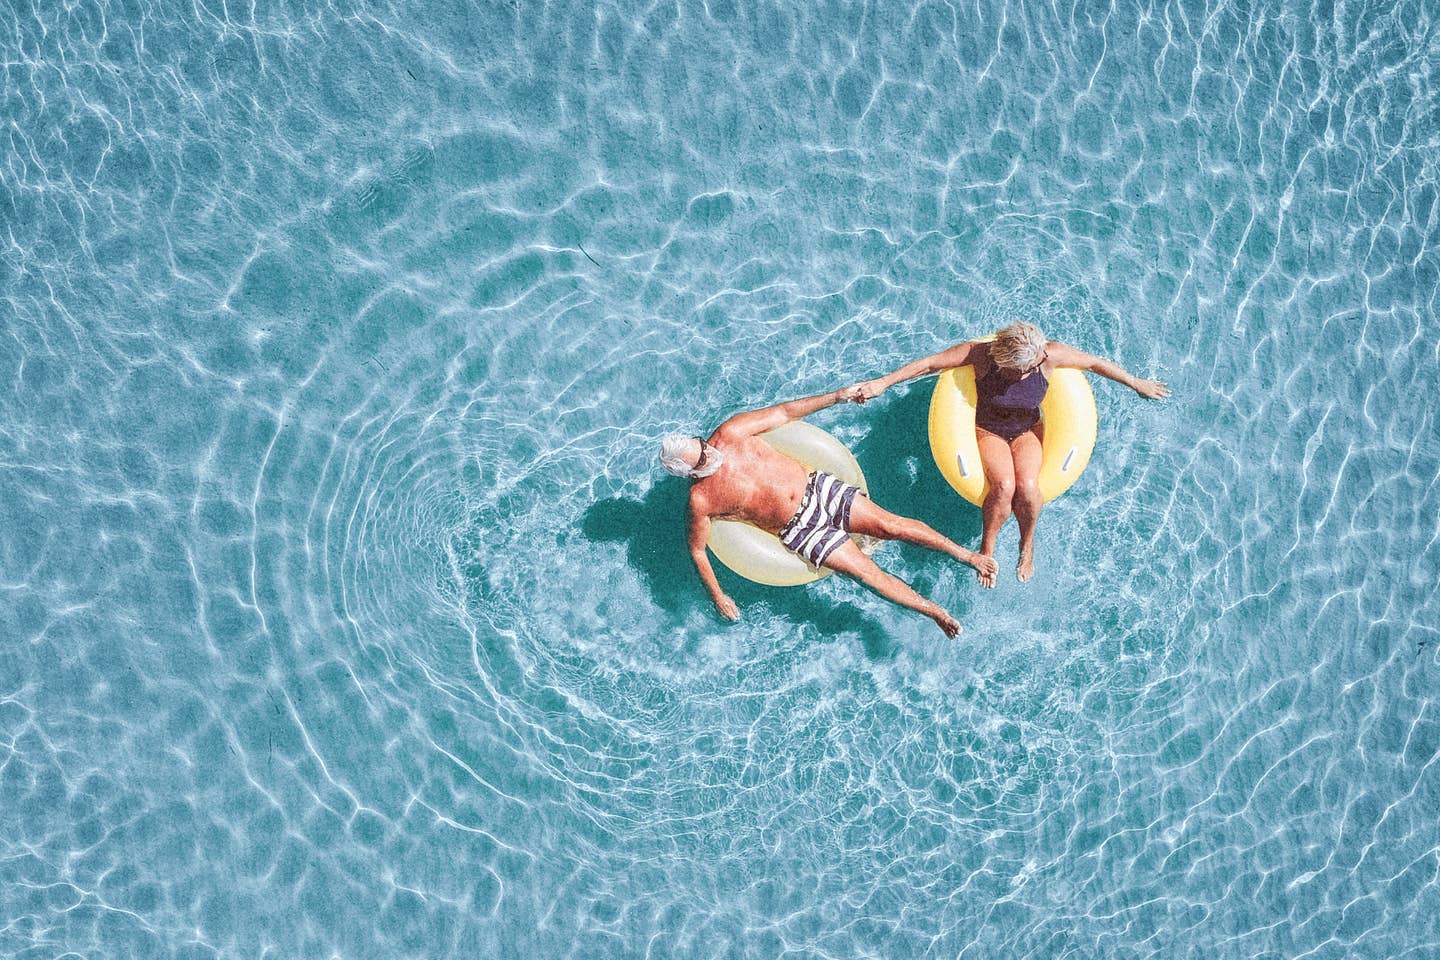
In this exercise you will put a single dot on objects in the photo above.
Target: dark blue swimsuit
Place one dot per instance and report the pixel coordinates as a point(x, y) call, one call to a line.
point(1009, 407)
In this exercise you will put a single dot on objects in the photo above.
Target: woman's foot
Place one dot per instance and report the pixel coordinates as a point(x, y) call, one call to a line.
point(985, 569)
point(1025, 568)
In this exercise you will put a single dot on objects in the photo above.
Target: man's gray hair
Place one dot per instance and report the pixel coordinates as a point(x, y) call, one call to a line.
point(1018, 346)
point(672, 457)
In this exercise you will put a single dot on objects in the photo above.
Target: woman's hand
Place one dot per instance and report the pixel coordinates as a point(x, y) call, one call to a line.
point(864, 390)
point(727, 607)
point(1153, 389)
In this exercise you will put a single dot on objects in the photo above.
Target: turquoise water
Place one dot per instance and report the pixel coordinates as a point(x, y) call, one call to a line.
point(344, 610)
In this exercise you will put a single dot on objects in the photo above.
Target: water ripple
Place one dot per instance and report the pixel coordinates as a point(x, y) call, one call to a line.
point(347, 613)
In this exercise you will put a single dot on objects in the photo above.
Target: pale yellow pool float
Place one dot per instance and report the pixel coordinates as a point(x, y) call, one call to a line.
point(760, 556)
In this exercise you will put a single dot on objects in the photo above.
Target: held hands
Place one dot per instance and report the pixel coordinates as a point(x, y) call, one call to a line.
point(862, 391)
point(1153, 389)
point(727, 607)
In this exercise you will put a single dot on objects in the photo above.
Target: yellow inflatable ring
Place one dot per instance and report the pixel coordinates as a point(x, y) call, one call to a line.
point(1068, 438)
point(759, 556)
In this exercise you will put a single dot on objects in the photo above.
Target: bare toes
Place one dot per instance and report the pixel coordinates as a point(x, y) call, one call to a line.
point(981, 562)
point(985, 569)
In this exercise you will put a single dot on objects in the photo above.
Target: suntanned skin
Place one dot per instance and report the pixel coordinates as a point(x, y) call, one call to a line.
point(1012, 467)
point(760, 485)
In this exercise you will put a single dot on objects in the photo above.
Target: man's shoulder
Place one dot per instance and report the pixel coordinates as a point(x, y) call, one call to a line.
point(699, 496)
point(727, 432)
point(726, 439)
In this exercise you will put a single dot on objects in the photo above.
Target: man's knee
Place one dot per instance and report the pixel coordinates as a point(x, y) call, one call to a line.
point(1028, 491)
point(895, 528)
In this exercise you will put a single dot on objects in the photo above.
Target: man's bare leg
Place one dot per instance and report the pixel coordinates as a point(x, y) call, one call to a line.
point(871, 520)
point(999, 466)
point(849, 560)
point(1027, 501)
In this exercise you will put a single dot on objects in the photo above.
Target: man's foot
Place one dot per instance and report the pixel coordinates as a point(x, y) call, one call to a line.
point(985, 569)
point(1025, 568)
point(984, 563)
point(945, 622)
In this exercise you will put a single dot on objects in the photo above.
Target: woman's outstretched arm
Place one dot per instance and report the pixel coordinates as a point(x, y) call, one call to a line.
point(1066, 356)
point(957, 356)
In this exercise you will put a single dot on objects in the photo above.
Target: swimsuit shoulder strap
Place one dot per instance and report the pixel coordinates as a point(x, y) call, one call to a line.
point(991, 381)
point(985, 367)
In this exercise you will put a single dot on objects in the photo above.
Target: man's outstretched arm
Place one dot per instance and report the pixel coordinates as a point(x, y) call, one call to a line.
point(699, 533)
point(753, 422)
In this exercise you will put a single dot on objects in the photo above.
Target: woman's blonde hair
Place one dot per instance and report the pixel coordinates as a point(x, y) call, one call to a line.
point(1018, 346)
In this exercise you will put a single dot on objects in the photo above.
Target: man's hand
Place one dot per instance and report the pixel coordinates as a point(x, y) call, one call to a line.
point(864, 390)
point(1153, 389)
point(727, 607)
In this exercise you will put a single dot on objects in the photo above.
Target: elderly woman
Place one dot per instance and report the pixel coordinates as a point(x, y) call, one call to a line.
point(1012, 374)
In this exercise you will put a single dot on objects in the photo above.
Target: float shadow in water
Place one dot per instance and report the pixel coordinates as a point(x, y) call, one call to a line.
point(895, 455)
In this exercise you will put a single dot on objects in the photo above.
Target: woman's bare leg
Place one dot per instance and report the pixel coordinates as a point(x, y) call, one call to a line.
point(851, 561)
point(999, 466)
point(1026, 456)
point(871, 520)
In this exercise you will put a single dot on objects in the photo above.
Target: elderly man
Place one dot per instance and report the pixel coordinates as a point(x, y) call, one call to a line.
point(737, 476)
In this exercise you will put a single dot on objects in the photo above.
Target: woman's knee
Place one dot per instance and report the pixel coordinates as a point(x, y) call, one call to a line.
point(1002, 491)
point(1028, 491)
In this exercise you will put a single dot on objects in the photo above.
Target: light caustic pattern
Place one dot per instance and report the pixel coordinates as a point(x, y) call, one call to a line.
point(345, 612)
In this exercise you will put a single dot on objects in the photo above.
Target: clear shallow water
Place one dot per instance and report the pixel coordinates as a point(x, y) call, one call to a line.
point(344, 610)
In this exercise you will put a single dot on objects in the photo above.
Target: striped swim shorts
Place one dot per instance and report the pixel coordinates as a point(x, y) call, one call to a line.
point(822, 524)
